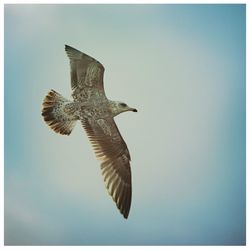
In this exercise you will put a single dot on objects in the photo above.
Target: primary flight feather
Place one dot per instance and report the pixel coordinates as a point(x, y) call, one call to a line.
point(96, 113)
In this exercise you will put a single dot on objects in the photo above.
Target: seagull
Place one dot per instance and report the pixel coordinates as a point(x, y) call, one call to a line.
point(96, 113)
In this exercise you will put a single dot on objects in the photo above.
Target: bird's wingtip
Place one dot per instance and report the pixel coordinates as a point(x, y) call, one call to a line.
point(68, 47)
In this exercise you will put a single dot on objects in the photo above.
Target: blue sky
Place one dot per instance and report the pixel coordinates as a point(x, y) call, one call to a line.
point(183, 68)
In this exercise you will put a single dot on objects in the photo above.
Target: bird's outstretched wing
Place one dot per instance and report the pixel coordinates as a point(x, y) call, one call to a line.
point(86, 75)
point(111, 149)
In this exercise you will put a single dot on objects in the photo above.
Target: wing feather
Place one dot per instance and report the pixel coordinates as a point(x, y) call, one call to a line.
point(86, 75)
point(115, 161)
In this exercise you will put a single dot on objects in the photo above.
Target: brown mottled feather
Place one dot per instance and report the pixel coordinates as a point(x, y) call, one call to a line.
point(54, 114)
point(115, 162)
point(86, 72)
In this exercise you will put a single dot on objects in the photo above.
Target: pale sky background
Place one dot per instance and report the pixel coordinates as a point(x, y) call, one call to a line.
point(183, 68)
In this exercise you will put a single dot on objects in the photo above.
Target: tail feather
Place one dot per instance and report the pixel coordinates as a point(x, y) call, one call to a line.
point(58, 113)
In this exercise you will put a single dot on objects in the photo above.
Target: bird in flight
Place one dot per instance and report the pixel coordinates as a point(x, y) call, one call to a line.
point(96, 114)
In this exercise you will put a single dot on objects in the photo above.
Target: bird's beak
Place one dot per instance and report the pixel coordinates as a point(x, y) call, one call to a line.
point(132, 109)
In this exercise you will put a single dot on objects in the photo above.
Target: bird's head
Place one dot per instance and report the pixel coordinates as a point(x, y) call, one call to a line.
point(119, 107)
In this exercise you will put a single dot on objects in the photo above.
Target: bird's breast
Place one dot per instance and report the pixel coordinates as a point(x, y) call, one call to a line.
point(95, 110)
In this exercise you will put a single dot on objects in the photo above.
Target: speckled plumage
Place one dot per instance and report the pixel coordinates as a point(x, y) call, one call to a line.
point(91, 106)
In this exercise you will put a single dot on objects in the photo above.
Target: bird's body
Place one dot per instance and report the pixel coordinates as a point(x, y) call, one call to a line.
point(91, 106)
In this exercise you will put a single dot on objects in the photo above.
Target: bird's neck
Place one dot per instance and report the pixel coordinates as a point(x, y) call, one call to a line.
point(114, 109)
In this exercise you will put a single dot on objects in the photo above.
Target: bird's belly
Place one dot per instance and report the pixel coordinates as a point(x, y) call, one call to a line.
point(94, 111)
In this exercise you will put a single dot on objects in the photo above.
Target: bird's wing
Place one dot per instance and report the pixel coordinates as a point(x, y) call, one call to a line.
point(112, 150)
point(86, 75)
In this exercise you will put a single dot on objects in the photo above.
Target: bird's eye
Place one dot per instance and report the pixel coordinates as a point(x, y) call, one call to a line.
point(123, 105)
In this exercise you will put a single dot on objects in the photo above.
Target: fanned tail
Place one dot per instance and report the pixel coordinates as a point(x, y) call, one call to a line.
point(59, 113)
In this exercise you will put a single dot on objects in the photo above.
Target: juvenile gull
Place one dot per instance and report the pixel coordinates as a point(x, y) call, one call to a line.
point(91, 106)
